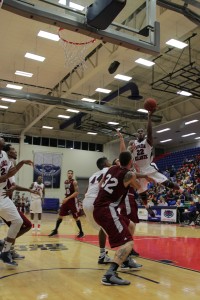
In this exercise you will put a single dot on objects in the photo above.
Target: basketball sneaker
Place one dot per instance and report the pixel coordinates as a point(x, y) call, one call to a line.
point(134, 253)
point(130, 265)
point(54, 232)
point(80, 235)
point(16, 256)
point(113, 279)
point(104, 259)
point(38, 228)
point(7, 259)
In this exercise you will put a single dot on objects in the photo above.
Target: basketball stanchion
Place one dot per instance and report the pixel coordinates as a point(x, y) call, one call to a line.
point(75, 52)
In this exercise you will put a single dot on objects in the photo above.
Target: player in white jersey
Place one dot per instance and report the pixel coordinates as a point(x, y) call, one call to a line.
point(36, 201)
point(141, 150)
point(8, 210)
point(88, 207)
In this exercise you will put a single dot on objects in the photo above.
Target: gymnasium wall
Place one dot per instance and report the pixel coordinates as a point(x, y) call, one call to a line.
point(83, 163)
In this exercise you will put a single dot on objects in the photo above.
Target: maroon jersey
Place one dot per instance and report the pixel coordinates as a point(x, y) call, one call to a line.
point(112, 189)
point(69, 187)
point(128, 206)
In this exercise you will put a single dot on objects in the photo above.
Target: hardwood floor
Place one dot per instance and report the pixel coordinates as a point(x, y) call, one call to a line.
point(63, 267)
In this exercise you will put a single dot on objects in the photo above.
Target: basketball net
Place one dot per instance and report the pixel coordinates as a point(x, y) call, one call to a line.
point(75, 52)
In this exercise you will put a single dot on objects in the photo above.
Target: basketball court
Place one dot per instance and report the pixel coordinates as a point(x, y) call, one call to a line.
point(63, 267)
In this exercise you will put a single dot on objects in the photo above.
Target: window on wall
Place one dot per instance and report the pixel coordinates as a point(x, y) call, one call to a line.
point(92, 147)
point(45, 142)
point(28, 140)
point(53, 142)
point(69, 144)
point(61, 143)
point(77, 145)
point(36, 140)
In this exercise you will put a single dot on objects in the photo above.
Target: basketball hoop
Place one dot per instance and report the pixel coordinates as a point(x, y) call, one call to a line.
point(75, 52)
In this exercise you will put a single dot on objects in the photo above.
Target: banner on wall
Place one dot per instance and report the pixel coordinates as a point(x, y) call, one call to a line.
point(169, 215)
point(48, 165)
point(142, 214)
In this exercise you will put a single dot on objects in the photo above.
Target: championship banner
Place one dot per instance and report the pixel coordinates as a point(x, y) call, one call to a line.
point(48, 165)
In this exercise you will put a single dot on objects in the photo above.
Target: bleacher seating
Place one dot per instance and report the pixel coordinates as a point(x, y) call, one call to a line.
point(175, 159)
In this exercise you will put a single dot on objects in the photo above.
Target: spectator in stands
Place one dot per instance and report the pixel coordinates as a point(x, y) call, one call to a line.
point(179, 203)
point(190, 213)
point(162, 202)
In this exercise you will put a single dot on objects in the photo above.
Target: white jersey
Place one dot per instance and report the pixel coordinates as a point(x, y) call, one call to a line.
point(5, 165)
point(93, 187)
point(90, 196)
point(39, 187)
point(142, 156)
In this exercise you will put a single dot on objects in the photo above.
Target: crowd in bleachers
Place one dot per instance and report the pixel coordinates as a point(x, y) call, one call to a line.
point(188, 178)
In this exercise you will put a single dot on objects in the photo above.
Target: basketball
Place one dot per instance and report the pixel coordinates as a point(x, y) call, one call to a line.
point(150, 104)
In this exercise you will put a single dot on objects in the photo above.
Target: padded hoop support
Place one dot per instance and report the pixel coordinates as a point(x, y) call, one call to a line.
point(101, 13)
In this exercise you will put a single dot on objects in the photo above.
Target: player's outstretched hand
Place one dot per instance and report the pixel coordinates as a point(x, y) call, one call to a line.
point(28, 162)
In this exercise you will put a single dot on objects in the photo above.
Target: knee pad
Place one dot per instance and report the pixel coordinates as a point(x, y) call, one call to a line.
point(14, 228)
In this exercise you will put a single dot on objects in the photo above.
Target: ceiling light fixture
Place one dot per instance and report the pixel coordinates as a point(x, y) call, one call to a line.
point(88, 100)
point(122, 77)
point(105, 91)
point(48, 35)
point(47, 127)
point(3, 106)
point(145, 62)
point(185, 135)
point(35, 57)
point(63, 116)
point(143, 110)
point(113, 123)
point(176, 44)
point(92, 133)
point(190, 122)
point(72, 4)
point(73, 110)
point(197, 138)
point(165, 141)
point(25, 74)
point(184, 93)
point(8, 100)
point(14, 86)
point(163, 130)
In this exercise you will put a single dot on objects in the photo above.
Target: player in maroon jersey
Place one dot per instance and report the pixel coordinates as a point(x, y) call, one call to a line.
point(69, 204)
point(115, 186)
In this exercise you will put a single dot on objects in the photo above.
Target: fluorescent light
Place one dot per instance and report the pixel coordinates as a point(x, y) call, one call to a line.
point(8, 100)
point(76, 6)
point(123, 77)
point(190, 122)
point(143, 110)
point(34, 57)
point(163, 130)
point(88, 100)
point(185, 135)
point(63, 116)
point(113, 123)
point(72, 110)
point(72, 5)
point(165, 141)
point(145, 62)
point(48, 35)
point(197, 138)
point(176, 43)
point(14, 86)
point(105, 91)
point(21, 73)
point(92, 133)
point(4, 107)
point(47, 127)
point(184, 93)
